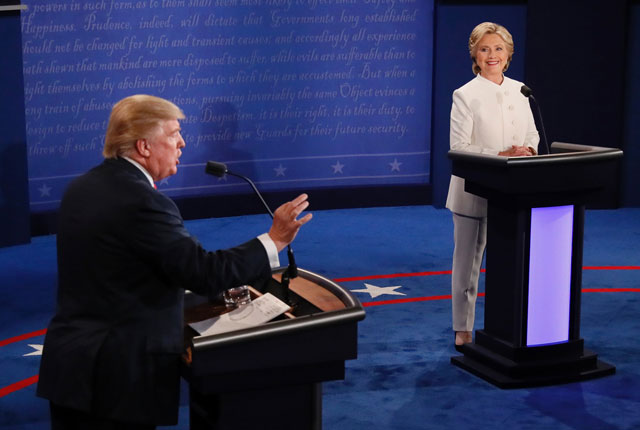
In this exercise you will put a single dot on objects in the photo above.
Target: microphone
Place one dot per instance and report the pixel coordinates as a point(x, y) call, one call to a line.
point(526, 91)
point(220, 169)
point(216, 169)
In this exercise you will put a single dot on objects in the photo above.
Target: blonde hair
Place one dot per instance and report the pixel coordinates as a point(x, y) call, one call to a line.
point(482, 30)
point(134, 118)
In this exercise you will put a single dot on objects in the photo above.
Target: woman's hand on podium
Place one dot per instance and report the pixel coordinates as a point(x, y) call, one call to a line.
point(518, 151)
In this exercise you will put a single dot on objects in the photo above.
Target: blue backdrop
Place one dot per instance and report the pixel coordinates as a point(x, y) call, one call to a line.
point(297, 94)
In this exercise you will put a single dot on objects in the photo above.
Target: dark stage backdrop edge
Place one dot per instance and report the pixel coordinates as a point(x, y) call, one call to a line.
point(577, 73)
point(14, 191)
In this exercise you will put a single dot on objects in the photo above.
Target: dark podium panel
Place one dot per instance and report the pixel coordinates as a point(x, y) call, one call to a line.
point(270, 376)
point(535, 229)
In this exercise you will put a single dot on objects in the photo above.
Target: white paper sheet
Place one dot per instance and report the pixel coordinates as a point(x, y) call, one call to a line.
point(263, 309)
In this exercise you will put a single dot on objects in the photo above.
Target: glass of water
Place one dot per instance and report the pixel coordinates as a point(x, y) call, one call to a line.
point(234, 297)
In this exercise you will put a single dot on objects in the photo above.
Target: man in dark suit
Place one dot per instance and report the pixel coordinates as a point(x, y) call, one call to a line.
point(112, 351)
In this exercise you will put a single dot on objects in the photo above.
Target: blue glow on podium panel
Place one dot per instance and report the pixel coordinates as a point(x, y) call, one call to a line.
point(549, 275)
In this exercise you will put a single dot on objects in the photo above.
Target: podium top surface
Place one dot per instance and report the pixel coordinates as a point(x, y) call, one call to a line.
point(571, 173)
point(335, 304)
point(561, 153)
point(323, 335)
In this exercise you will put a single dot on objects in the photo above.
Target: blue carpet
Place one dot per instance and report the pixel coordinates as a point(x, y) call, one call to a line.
point(402, 378)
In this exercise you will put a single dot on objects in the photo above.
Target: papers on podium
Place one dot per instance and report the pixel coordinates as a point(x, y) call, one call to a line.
point(259, 311)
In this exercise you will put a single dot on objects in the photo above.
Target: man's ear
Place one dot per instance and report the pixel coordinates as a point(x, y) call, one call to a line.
point(143, 148)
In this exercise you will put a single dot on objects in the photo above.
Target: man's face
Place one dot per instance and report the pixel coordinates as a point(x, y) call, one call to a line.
point(165, 146)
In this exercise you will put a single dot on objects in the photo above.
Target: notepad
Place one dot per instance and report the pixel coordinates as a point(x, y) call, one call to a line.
point(259, 311)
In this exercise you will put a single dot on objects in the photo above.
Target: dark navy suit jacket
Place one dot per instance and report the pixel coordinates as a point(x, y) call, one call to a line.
point(124, 257)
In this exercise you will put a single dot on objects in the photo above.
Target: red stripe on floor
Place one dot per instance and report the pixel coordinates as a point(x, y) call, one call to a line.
point(394, 275)
point(448, 297)
point(411, 300)
point(18, 385)
point(23, 337)
point(611, 290)
point(448, 272)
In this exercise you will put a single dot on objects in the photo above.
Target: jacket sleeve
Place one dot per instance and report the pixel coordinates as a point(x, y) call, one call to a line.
point(162, 240)
point(461, 126)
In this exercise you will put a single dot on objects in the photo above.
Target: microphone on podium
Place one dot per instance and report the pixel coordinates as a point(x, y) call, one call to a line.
point(526, 91)
point(220, 169)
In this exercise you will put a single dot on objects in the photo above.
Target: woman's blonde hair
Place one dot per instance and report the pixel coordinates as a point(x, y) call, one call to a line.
point(482, 30)
point(134, 118)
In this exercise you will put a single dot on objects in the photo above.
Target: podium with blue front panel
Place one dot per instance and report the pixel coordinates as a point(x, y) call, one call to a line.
point(535, 228)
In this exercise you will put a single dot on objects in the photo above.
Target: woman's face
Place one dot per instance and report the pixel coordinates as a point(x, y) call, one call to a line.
point(491, 55)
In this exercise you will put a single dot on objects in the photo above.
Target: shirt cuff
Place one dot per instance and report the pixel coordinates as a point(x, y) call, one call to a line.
point(272, 250)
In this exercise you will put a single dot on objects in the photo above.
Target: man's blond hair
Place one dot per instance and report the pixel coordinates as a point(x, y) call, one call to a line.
point(134, 118)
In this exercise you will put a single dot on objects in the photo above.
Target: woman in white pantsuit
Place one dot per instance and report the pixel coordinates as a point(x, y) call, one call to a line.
point(489, 115)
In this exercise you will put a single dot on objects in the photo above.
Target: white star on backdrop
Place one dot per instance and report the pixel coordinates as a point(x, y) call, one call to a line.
point(44, 190)
point(38, 350)
point(280, 170)
point(164, 181)
point(375, 291)
point(395, 166)
point(337, 168)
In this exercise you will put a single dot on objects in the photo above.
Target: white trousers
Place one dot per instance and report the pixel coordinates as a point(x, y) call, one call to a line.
point(470, 239)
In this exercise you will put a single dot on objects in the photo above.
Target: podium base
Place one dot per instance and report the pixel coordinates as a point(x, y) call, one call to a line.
point(508, 367)
point(297, 407)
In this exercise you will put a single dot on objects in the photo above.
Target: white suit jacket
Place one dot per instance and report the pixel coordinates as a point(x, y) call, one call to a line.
point(487, 118)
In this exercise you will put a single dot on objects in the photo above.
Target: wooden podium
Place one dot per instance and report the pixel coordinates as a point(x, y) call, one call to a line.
point(535, 230)
point(270, 376)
